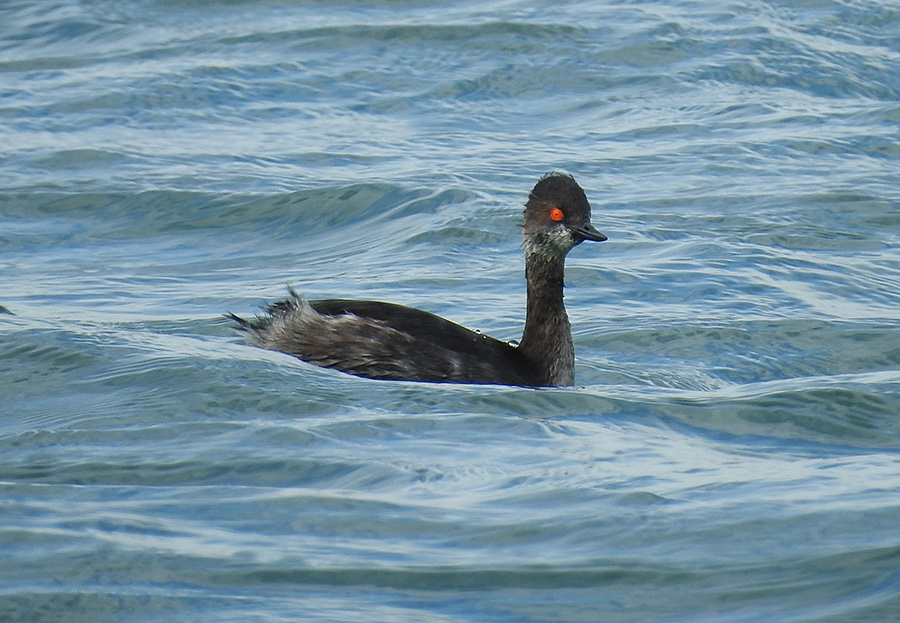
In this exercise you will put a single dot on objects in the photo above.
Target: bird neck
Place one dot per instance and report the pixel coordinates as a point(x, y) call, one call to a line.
point(547, 338)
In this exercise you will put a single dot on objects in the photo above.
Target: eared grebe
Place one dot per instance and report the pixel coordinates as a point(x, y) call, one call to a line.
point(388, 341)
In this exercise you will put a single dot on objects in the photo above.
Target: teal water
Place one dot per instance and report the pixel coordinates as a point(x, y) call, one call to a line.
point(731, 449)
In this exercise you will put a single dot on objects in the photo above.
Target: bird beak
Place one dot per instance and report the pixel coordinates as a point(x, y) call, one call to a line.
point(587, 232)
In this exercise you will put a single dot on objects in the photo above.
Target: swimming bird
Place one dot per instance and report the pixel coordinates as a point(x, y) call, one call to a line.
point(389, 341)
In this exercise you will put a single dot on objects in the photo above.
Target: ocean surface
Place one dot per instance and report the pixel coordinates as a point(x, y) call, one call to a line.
point(730, 451)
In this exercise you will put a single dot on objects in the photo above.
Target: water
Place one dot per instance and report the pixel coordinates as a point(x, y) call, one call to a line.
point(731, 451)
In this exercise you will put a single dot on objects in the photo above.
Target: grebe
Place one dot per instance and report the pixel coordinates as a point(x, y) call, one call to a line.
point(388, 341)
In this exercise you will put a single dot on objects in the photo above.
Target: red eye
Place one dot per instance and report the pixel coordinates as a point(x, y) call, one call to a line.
point(556, 214)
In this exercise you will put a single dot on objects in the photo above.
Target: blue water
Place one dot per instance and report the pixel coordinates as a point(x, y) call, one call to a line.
point(731, 449)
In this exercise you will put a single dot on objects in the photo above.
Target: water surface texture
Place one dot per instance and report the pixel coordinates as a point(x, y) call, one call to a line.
point(731, 449)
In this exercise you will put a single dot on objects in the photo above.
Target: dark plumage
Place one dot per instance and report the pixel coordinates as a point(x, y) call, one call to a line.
point(387, 341)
